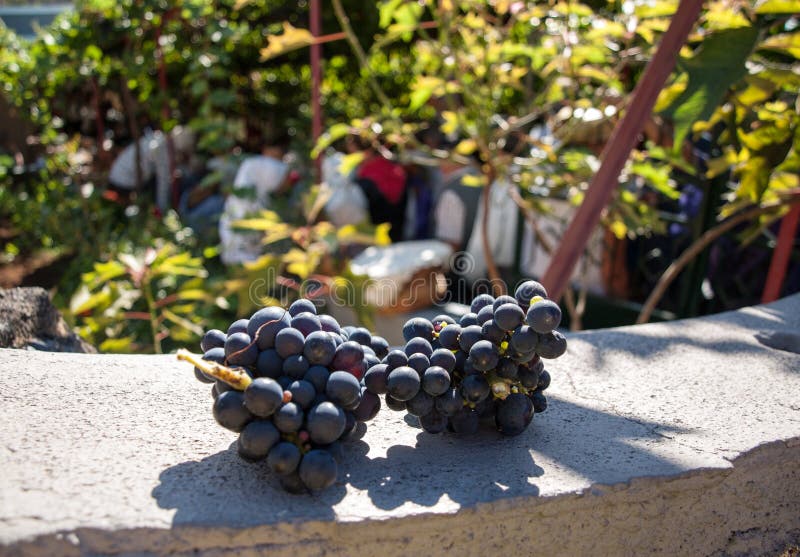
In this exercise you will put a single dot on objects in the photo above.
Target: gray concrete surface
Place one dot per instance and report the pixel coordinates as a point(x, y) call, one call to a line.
point(671, 439)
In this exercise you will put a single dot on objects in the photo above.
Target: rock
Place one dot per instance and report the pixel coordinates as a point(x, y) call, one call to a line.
point(28, 319)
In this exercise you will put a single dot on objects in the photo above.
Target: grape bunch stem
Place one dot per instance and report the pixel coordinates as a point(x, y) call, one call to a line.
point(237, 379)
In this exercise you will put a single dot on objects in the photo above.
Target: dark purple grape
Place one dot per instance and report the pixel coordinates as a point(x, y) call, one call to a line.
point(465, 422)
point(493, 333)
point(256, 440)
point(289, 417)
point(337, 338)
point(375, 378)
point(544, 380)
point(349, 356)
point(469, 368)
point(284, 458)
point(318, 470)
point(361, 336)
point(420, 404)
point(539, 402)
point(380, 346)
point(306, 323)
point(269, 364)
point(330, 324)
point(303, 393)
point(325, 423)
point(418, 327)
point(289, 342)
point(230, 412)
point(418, 345)
point(529, 375)
point(468, 319)
point(240, 351)
point(481, 301)
point(343, 388)
point(443, 358)
point(442, 319)
point(419, 363)
point(403, 383)
point(435, 381)
point(448, 337)
point(485, 314)
point(514, 414)
point(346, 331)
point(317, 376)
point(265, 324)
point(507, 369)
point(486, 408)
point(504, 299)
point(238, 326)
point(396, 358)
point(368, 407)
point(433, 422)
point(551, 345)
point(527, 291)
point(475, 388)
point(449, 403)
point(219, 388)
point(295, 366)
point(544, 316)
point(370, 360)
point(509, 316)
point(484, 355)
point(469, 336)
point(394, 404)
point(213, 339)
point(524, 339)
point(319, 348)
point(302, 306)
point(263, 396)
point(461, 360)
point(216, 354)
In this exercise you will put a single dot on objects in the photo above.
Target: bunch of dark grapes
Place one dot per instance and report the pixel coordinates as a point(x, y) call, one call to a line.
point(289, 383)
point(488, 366)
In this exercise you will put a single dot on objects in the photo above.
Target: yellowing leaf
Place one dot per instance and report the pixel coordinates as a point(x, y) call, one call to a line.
point(450, 124)
point(466, 147)
point(382, 234)
point(474, 181)
point(291, 39)
point(788, 43)
point(350, 162)
point(778, 7)
point(619, 229)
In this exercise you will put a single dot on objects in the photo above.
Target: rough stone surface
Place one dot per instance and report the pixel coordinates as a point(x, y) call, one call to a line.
point(28, 319)
point(679, 438)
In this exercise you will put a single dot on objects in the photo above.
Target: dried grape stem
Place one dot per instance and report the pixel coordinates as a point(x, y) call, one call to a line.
point(239, 380)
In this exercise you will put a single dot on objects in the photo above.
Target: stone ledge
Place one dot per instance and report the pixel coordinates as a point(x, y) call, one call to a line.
point(673, 438)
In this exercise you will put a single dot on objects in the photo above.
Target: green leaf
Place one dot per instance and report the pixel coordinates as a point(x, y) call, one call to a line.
point(778, 7)
point(387, 12)
point(657, 176)
point(717, 65)
point(787, 43)
point(116, 345)
point(350, 162)
point(334, 133)
point(182, 322)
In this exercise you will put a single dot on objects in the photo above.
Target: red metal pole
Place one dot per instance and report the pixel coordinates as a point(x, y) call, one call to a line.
point(780, 257)
point(618, 149)
point(316, 79)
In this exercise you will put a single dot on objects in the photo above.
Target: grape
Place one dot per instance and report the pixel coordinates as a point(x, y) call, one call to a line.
point(269, 364)
point(443, 358)
point(539, 402)
point(375, 378)
point(442, 318)
point(379, 345)
point(481, 301)
point(263, 396)
point(527, 291)
point(448, 337)
point(544, 380)
point(464, 422)
point(306, 323)
point(418, 327)
point(485, 314)
point(230, 412)
point(544, 316)
point(484, 355)
point(514, 414)
point(292, 483)
point(288, 418)
point(284, 458)
point(343, 388)
point(521, 357)
point(507, 369)
point(289, 342)
point(319, 348)
point(346, 331)
point(361, 336)
point(449, 403)
point(318, 469)
point(265, 324)
point(303, 393)
point(529, 376)
point(368, 407)
point(219, 388)
point(433, 422)
point(337, 338)
point(524, 339)
point(256, 439)
point(551, 345)
point(435, 381)
point(238, 326)
point(461, 361)
point(509, 316)
point(284, 381)
point(486, 408)
point(492, 332)
point(396, 358)
point(469, 368)
point(468, 319)
point(418, 345)
point(325, 423)
point(215, 354)
point(213, 339)
point(419, 363)
point(349, 356)
point(504, 299)
point(469, 336)
point(403, 383)
point(474, 388)
point(394, 404)
point(239, 350)
point(370, 360)
point(420, 405)
point(330, 324)
point(317, 376)
point(295, 366)
point(302, 306)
